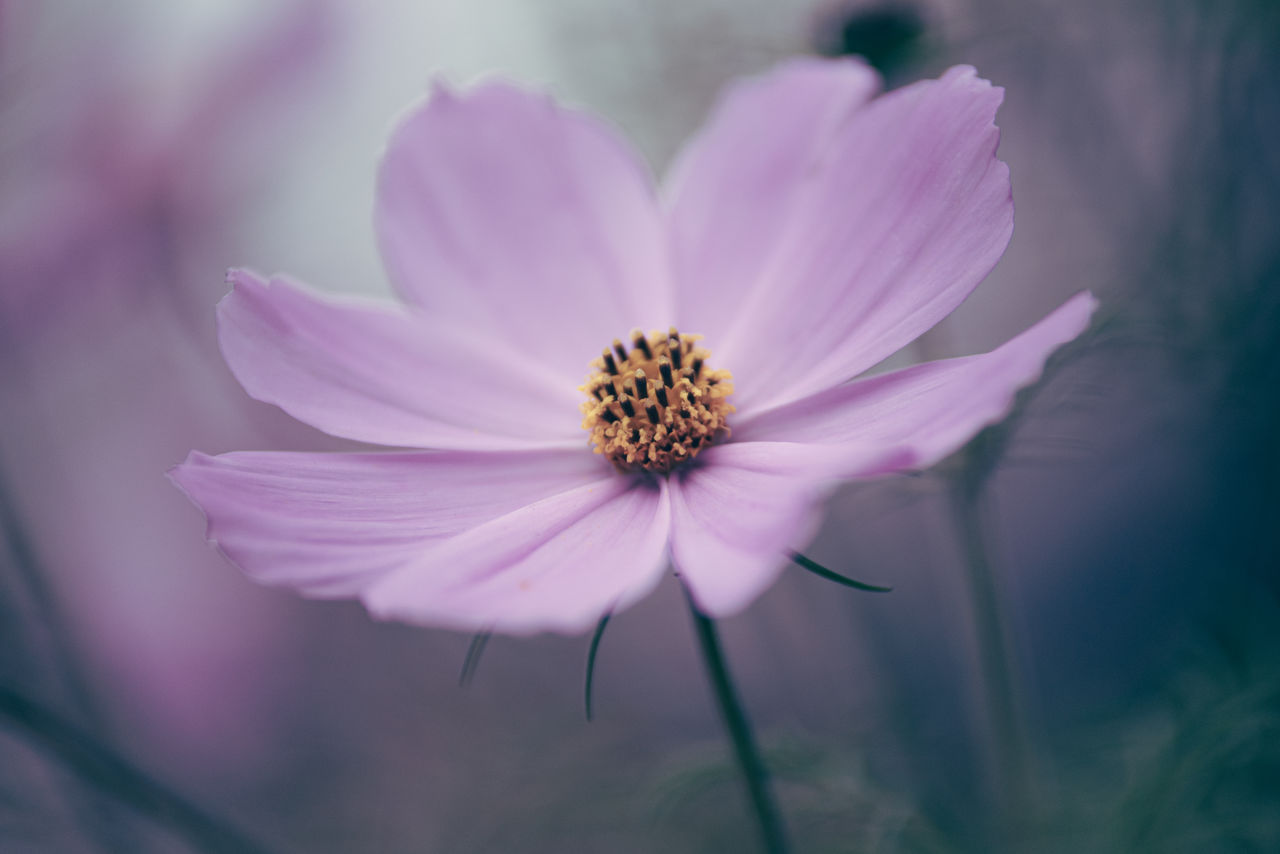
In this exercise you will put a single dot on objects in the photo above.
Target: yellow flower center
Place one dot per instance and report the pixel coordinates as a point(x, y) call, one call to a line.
point(655, 407)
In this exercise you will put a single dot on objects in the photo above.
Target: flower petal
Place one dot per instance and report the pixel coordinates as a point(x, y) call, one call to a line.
point(926, 411)
point(736, 184)
point(392, 377)
point(905, 214)
point(555, 565)
point(332, 524)
point(504, 212)
point(733, 518)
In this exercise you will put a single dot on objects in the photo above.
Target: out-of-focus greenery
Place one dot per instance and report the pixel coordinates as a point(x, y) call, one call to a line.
point(1194, 769)
point(891, 37)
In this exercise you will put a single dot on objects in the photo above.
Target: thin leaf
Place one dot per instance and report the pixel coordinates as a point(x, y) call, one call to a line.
point(822, 572)
point(472, 661)
point(591, 659)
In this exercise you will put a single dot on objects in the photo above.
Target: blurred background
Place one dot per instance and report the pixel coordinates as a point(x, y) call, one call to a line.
point(1082, 648)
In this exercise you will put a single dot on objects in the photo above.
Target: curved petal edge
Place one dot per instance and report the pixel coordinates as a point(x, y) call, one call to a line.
point(930, 410)
point(371, 372)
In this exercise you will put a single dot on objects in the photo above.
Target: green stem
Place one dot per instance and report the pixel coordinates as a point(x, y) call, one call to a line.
point(754, 773)
point(1007, 732)
point(116, 778)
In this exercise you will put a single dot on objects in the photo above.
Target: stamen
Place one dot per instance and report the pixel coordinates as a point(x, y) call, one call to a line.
point(638, 341)
point(646, 409)
point(642, 387)
point(664, 368)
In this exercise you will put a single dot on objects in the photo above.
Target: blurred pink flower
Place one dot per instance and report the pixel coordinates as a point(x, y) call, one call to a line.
point(807, 233)
point(110, 197)
point(111, 207)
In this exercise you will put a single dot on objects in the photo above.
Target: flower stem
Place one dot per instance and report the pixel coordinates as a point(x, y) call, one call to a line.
point(117, 778)
point(1013, 780)
point(754, 773)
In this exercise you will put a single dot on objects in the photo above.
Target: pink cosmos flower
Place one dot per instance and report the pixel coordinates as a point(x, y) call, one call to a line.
point(809, 231)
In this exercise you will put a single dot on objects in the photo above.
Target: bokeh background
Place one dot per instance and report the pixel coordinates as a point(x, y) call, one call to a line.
point(1082, 648)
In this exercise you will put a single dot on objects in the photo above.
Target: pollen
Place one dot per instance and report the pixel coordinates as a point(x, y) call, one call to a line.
point(655, 406)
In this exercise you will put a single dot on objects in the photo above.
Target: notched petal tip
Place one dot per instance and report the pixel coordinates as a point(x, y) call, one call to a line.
point(180, 474)
point(964, 81)
point(968, 74)
point(239, 279)
point(441, 87)
point(237, 276)
point(443, 93)
point(251, 295)
point(247, 303)
point(249, 282)
point(185, 477)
